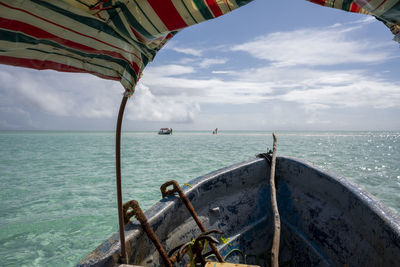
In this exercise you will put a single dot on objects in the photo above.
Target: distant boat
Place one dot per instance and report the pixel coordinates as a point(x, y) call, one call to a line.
point(325, 220)
point(165, 131)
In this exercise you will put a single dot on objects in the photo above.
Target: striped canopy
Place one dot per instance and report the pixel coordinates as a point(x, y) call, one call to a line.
point(115, 39)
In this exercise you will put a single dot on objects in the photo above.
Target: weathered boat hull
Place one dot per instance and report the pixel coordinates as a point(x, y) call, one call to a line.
point(325, 219)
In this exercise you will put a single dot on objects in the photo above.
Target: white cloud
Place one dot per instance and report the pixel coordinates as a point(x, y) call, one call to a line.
point(207, 62)
point(169, 70)
point(321, 89)
point(46, 98)
point(188, 51)
point(61, 94)
point(314, 115)
point(146, 107)
point(177, 47)
point(186, 61)
point(313, 89)
point(360, 91)
point(15, 118)
point(207, 90)
point(314, 47)
point(223, 72)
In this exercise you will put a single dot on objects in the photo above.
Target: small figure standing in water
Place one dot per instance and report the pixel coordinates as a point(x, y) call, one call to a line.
point(215, 131)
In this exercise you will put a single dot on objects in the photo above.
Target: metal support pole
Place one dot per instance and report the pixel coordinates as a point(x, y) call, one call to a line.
point(124, 258)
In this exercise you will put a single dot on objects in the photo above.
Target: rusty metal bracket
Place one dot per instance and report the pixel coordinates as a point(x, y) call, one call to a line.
point(132, 208)
point(177, 189)
point(195, 247)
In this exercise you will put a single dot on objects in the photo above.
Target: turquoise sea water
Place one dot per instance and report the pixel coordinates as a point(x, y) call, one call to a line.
point(57, 195)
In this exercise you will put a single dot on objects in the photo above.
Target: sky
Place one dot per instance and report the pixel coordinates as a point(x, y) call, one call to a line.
point(269, 66)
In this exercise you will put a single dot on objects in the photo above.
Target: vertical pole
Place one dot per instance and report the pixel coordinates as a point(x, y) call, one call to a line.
point(277, 220)
point(118, 173)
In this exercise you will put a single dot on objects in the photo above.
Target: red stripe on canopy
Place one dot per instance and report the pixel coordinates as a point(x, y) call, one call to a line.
point(319, 2)
point(168, 14)
point(212, 4)
point(354, 8)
